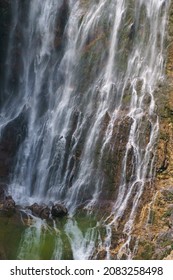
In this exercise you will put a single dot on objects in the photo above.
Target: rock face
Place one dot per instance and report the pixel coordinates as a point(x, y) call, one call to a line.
point(60, 25)
point(5, 23)
point(11, 138)
point(2, 192)
point(154, 224)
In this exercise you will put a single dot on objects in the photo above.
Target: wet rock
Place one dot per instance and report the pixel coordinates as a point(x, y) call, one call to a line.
point(2, 195)
point(58, 210)
point(41, 211)
point(132, 32)
point(9, 203)
point(45, 212)
point(5, 24)
point(2, 192)
point(35, 209)
point(60, 25)
point(112, 158)
point(12, 136)
point(14, 133)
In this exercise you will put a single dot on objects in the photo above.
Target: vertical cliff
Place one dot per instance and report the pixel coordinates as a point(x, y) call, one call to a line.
point(154, 224)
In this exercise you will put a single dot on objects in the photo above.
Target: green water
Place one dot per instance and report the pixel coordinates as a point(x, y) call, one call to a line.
point(65, 238)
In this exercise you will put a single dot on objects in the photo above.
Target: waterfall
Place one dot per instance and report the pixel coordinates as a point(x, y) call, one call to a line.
point(82, 75)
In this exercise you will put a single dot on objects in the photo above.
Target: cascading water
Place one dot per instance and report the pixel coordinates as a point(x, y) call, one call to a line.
point(84, 79)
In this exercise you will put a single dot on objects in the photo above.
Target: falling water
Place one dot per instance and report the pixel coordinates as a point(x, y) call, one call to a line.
point(86, 78)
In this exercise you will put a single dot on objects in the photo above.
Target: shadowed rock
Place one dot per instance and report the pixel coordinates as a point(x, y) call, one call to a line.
point(9, 203)
point(2, 192)
point(58, 210)
point(12, 136)
point(61, 22)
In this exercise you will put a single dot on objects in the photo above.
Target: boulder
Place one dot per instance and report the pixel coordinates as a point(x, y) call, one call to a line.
point(9, 204)
point(42, 211)
point(45, 212)
point(58, 210)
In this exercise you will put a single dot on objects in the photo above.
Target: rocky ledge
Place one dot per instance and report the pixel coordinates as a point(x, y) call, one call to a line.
point(9, 208)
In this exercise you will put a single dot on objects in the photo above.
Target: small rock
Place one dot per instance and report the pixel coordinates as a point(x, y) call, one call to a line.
point(58, 210)
point(45, 213)
point(35, 209)
point(42, 211)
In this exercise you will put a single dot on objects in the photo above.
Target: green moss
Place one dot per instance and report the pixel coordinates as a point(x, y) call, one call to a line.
point(168, 196)
point(166, 112)
point(167, 214)
point(126, 99)
point(151, 219)
point(163, 136)
point(145, 250)
point(165, 243)
point(148, 251)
